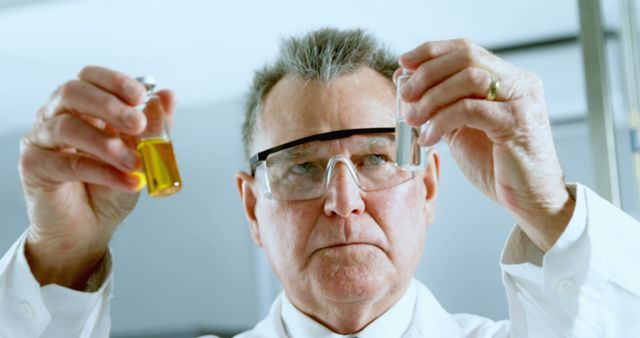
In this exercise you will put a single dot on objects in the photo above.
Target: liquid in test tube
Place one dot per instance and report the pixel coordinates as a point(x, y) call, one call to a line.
point(156, 150)
point(408, 152)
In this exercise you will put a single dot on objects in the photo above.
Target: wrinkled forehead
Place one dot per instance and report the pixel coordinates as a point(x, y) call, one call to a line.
point(296, 108)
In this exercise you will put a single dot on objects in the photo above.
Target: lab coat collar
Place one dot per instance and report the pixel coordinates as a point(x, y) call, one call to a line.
point(429, 319)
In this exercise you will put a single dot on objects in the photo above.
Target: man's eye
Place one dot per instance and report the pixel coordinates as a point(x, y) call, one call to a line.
point(302, 168)
point(375, 159)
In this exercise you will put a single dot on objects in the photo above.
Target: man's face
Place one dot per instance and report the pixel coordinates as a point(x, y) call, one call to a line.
point(348, 245)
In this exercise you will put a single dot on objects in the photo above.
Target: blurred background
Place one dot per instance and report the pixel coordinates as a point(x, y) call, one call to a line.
point(185, 265)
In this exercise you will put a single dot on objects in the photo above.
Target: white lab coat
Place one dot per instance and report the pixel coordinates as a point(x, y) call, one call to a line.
point(587, 285)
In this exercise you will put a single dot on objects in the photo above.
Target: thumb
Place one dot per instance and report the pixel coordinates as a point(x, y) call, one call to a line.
point(168, 101)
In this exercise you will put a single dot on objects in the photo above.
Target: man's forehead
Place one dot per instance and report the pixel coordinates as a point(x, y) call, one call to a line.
point(295, 108)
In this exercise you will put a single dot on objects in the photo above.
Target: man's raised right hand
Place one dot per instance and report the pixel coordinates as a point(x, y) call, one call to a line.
point(75, 168)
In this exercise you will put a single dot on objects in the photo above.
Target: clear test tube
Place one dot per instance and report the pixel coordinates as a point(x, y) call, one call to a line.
point(156, 150)
point(409, 154)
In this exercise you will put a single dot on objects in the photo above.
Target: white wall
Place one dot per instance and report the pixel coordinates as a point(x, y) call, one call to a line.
point(184, 261)
point(180, 262)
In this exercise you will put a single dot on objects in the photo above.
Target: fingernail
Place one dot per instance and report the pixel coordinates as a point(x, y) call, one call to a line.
point(138, 178)
point(425, 135)
point(422, 138)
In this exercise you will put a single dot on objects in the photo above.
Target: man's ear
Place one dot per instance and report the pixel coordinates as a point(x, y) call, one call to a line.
point(432, 174)
point(246, 185)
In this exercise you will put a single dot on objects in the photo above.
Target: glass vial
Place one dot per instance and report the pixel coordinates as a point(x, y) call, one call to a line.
point(409, 155)
point(155, 148)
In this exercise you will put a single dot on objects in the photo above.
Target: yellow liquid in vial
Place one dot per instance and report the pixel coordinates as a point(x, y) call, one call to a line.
point(160, 167)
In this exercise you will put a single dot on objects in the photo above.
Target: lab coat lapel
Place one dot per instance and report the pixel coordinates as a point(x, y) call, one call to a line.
point(430, 319)
point(271, 326)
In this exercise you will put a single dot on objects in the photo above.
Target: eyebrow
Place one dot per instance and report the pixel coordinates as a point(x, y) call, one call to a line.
point(382, 140)
point(299, 151)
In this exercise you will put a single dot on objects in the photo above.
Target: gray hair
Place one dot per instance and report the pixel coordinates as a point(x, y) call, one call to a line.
point(323, 55)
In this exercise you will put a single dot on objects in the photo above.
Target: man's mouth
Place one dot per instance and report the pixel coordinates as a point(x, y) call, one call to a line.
point(339, 245)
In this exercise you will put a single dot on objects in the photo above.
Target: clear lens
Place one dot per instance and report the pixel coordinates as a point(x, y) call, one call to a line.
point(304, 172)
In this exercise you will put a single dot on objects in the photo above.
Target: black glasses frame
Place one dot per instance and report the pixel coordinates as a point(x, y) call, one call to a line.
point(332, 135)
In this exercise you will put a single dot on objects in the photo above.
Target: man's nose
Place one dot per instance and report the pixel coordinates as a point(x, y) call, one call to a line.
point(343, 196)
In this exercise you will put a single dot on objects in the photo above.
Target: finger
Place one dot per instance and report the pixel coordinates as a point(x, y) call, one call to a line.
point(434, 71)
point(396, 74)
point(156, 118)
point(84, 98)
point(168, 100)
point(122, 86)
point(489, 116)
point(100, 124)
point(468, 83)
point(67, 130)
point(50, 168)
point(429, 50)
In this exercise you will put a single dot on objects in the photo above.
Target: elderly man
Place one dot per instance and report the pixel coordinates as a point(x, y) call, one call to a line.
point(342, 226)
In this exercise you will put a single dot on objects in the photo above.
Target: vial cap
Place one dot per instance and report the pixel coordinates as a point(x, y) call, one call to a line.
point(148, 81)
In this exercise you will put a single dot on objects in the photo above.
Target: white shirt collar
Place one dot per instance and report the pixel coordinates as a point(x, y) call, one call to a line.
point(393, 323)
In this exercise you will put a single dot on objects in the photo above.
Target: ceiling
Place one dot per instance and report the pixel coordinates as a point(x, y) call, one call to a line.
point(207, 50)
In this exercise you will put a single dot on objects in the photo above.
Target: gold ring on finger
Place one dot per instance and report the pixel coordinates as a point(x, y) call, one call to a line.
point(492, 92)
